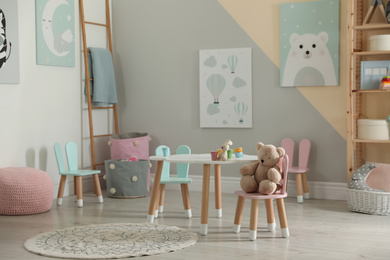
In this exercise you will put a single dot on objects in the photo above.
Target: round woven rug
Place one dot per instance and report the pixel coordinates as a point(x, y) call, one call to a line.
point(104, 241)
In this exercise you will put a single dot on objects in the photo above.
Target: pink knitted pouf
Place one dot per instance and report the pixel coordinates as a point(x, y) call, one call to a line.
point(25, 191)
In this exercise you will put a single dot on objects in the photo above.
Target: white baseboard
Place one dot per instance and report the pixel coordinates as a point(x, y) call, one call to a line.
point(317, 190)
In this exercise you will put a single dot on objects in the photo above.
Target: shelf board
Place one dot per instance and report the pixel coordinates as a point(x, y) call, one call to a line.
point(371, 141)
point(371, 91)
point(370, 53)
point(372, 26)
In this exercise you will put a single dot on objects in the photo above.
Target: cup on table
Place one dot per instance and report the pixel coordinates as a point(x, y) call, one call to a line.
point(214, 155)
point(229, 154)
point(166, 151)
point(238, 152)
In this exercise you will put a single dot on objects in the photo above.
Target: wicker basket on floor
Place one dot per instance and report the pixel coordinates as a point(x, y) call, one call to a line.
point(370, 202)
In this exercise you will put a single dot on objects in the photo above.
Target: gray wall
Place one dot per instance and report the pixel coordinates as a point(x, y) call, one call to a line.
point(156, 47)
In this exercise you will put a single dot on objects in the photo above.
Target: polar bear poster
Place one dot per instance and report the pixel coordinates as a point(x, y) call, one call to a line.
point(309, 44)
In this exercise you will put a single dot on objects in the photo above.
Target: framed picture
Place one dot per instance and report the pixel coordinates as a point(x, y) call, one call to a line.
point(225, 77)
point(309, 44)
point(55, 32)
point(9, 43)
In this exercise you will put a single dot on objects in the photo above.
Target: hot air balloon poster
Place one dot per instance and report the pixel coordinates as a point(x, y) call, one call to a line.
point(55, 32)
point(9, 42)
point(225, 88)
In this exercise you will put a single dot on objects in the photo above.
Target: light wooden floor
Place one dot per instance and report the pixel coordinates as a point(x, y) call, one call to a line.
point(319, 229)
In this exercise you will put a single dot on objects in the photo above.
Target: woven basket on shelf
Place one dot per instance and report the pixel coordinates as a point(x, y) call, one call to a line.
point(370, 202)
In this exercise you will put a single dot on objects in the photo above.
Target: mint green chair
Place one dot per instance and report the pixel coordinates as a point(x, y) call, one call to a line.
point(181, 178)
point(71, 155)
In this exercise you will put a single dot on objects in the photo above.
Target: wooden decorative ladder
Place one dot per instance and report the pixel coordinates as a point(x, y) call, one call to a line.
point(107, 25)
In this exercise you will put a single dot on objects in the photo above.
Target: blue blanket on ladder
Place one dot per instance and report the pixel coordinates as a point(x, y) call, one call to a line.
point(101, 69)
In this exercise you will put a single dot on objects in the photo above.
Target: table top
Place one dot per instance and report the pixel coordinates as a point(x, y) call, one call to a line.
point(203, 159)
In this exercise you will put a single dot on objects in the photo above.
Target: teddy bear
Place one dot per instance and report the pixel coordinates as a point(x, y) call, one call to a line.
point(264, 175)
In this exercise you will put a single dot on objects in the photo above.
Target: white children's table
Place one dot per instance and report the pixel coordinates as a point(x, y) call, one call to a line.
point(204, 159)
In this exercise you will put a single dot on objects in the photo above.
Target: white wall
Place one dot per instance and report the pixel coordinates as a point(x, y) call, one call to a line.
point(44, 108)
point(156, 59)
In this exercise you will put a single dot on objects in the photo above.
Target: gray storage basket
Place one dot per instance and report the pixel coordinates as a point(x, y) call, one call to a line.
point(126, 179)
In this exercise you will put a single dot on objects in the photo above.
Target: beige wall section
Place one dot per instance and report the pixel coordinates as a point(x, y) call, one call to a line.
point(261, 21)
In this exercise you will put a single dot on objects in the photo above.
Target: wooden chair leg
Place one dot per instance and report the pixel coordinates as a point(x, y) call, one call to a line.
point(238, 216)
point(298, 177)
point(162, 197)
point(97, 188)
point(185, 193)
point(306, 194)
point(270, 215)
point(61, 188)
point(74, 185)
point(253, 219)
point(282, 217)
point(79, 191)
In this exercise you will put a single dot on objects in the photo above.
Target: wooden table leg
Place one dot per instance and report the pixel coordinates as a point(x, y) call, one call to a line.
point(218, 192)
point(155, 192)
point(157, 202)
point(205, 199)
point(161, 199)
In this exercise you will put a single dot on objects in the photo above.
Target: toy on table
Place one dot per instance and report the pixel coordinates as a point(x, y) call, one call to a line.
point(223, 156)
point(238, 152)
point(230, 153)
point(264, 175)
point(385, 84)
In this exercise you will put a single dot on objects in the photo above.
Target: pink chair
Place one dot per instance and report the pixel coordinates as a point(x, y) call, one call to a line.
point(301, 170)
point(255, 197)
